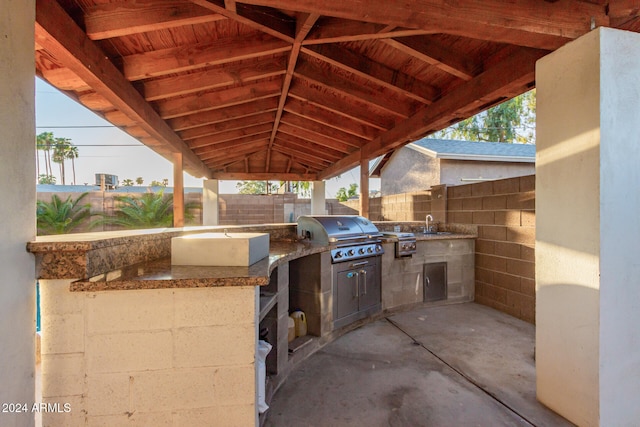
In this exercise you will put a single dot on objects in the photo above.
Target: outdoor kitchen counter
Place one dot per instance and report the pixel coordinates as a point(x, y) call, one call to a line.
point(160, 274)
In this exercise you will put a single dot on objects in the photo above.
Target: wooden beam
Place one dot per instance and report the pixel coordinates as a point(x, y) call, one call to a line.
point(339, 105)
point(178, 191)
point(315, 138)
point(65, 79)
point(108, 20)
point(334, 30)
point(317, 151)
point(378, 73)
point(436, 54)
point(329, 118)
point(228, 125)
point(223, 114)
point(59, 34)
point(308, 159)
point(213, 78)
point(378, 99)
point(329, 132)
point(230, 148)
point(303, 26)
point(529, 23)
point(263, 19)
point(212, 100)
point(512, 75)
point(235, 176)
point(364, 187)
point(229, 135)
point(223, 51)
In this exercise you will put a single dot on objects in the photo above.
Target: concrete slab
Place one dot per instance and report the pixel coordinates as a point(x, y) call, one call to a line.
point(453, 365)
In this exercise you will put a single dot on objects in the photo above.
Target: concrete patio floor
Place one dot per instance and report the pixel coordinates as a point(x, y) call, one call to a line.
point(449, 365)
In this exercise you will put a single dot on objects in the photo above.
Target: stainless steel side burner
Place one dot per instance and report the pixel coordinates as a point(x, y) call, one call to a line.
point(405, 243)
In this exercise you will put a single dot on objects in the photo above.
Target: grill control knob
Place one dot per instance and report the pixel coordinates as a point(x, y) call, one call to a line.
point(350, 252)
point(361, 251)
point(413, 246)
point(338, 254)
point(370, 249)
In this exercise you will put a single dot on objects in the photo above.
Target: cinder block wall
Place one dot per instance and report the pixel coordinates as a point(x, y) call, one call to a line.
point(504, 212)
point(149, 357)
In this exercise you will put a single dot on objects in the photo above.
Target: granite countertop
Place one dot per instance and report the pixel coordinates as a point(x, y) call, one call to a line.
point(160, 274)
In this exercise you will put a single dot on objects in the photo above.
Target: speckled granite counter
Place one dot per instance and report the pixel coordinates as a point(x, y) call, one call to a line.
point(141, 259)
point(160, 274)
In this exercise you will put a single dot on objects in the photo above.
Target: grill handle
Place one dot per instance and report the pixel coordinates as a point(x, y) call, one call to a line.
point(358, 264)
point(363, 274)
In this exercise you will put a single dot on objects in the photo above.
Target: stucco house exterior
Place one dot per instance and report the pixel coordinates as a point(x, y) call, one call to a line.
point(427, 162)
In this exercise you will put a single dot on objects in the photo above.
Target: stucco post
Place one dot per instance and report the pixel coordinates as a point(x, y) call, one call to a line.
point(17, 210)
point(587, 228)
point(318, 202)
point(210, 202)
point(364, 187)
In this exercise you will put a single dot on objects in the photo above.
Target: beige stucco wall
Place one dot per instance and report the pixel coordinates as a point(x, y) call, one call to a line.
point(408, 171)
point(587, 335)
point(453, 171)
point(17, 186)
point(165, 357)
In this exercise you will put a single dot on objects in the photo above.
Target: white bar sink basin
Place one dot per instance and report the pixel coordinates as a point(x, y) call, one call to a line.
point(219, 249)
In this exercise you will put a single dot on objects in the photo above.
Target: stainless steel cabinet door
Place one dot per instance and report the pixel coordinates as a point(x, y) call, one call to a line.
point(346, 293)
point(369, 285)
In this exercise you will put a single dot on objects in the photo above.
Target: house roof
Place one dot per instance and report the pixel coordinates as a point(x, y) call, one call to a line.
point(473, 150)
point(299, 89)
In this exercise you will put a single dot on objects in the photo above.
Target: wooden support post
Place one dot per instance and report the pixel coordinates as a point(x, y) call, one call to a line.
point(364, 187)
point(178, 191)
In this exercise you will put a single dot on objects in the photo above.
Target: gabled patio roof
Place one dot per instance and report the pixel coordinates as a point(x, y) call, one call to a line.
point(299, 89)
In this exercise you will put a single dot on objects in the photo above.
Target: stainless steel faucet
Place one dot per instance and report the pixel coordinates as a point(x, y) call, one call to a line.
point(429, 218)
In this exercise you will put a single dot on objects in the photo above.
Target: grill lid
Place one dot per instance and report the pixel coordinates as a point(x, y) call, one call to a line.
point(326, 229)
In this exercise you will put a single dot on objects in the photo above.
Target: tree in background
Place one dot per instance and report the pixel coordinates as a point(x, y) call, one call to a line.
point(60, 217)
point(45, 142)
point(46, 179)
point(139, 180)
point(343, 194)
point(301, 188)
point(72, 154)
point(149, 210)
point(163, 183)
point(511, 121)
point(256, 187)
point(127, 182)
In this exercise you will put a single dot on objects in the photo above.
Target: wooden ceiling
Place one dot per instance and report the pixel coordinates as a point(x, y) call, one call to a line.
point(300, 89)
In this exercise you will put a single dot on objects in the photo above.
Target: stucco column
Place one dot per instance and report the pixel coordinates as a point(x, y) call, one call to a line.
point(178, 191)
point(210, 202)
point(587, 228)
point(318, 202)
point(17, 210)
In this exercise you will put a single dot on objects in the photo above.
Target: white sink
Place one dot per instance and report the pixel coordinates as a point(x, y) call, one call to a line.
point(219, 249)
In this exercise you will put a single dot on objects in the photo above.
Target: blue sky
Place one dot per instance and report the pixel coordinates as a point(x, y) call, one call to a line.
point(104, 148)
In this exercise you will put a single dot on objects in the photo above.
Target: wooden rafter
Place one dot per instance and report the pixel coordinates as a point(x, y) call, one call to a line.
point(59, 34)
point(530, 23)
point(303, 26)
point(329, 132)
point(213, 78)
point(317, 151)
point(229, 135)
point(124, 18)
point(378, 73)
point(517, 71)
point(223, 114)
point(167, 61)
point(228, 125)
point(265, 176)
point(333, 30)
point(437, 55)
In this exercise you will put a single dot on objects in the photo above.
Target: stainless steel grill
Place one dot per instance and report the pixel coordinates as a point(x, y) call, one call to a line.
point(351, 236)
point(356, 252)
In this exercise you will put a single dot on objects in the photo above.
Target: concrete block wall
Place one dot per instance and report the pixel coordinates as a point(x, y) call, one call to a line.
point(504, 212)
point(166, 357)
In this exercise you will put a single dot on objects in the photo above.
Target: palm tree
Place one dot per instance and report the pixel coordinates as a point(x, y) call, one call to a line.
point(127, 182)
point(147, 211)
point(44, 142)
point(139, 180)
point(72, 154)
point(60, 150)
point(60, 217)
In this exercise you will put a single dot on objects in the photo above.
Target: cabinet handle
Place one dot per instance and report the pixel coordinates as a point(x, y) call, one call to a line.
point(357, 282)
point(358, 264)
point(428, 281)
point(364, 276)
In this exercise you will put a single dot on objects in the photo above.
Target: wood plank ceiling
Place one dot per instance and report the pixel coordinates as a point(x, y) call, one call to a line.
point(299, 89)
